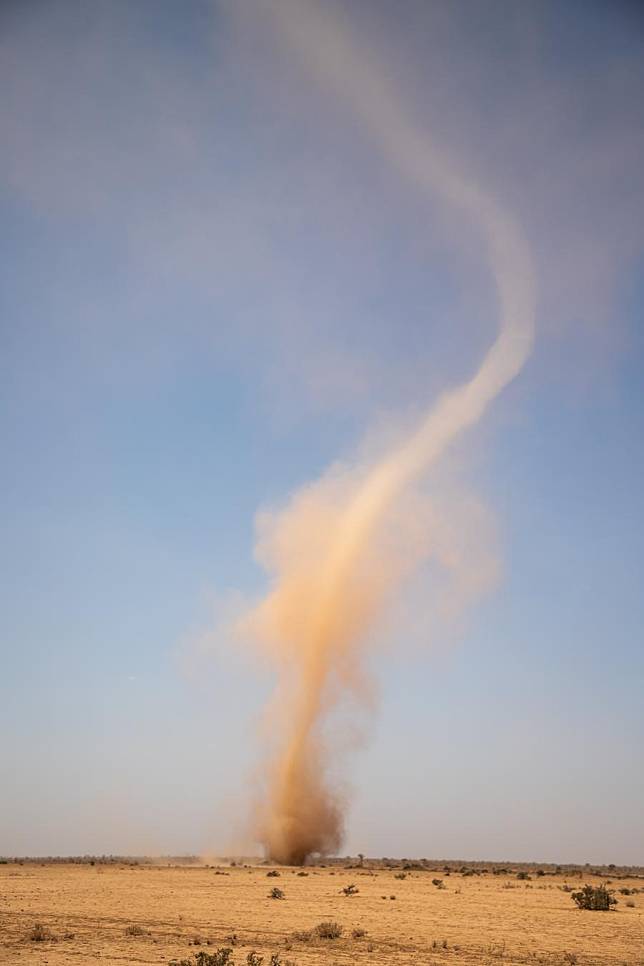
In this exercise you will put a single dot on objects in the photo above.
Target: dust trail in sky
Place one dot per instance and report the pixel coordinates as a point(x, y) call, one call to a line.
point(335, 552)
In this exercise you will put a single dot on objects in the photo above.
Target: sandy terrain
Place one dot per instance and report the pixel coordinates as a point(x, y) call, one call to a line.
point(475, 919)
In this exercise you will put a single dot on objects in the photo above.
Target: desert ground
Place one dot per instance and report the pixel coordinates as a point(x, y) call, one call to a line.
point(145, 912)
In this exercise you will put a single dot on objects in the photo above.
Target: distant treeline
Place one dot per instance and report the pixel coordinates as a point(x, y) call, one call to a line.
point(479, 867)
point(446, 866)
point(100, 860)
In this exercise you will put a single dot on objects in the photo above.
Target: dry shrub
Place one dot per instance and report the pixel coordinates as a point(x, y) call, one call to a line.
point(221, 957)
point(328, 930)
point(498, 950)
point(41, 934)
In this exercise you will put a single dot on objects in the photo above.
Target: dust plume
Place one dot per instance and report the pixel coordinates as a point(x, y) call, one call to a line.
point(342, 547)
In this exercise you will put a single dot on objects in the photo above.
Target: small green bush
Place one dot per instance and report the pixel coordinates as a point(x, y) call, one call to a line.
point(596, 898)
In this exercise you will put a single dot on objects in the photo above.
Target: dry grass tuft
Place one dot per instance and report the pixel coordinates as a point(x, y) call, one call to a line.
point(328, 930)
point(41, 934)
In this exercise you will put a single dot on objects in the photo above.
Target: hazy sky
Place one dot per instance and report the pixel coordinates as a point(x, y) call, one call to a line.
point(213, 284)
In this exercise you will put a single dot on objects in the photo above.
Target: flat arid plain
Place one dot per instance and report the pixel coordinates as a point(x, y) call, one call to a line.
point(159, 912)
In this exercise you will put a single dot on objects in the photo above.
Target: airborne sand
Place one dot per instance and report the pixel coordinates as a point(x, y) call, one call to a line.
point(333, 553)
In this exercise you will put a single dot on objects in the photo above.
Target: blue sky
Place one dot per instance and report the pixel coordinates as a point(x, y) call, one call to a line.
point(211, 287)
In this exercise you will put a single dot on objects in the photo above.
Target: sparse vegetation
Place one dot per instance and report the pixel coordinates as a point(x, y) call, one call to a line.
point(272, 873)
point(276, 893)
point(596, 898)
point(62, 899)
point(350, 890)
